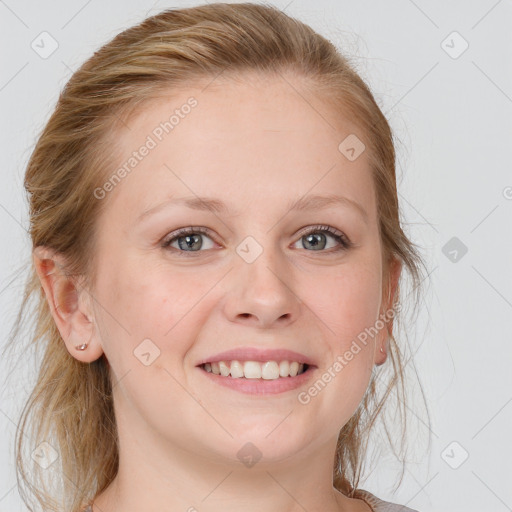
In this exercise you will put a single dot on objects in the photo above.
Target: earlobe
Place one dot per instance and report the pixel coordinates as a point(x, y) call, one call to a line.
point(70, 314)
point(383, 355)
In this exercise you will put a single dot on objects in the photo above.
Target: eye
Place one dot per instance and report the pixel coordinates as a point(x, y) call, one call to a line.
point(315, 238)
point(190, 240)
point(187, 238)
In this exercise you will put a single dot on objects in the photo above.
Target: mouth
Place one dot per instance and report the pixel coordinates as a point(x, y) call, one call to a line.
point(257, 370)
point(257, 378)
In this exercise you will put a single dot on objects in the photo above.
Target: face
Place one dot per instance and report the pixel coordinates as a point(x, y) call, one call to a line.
point(252, 273)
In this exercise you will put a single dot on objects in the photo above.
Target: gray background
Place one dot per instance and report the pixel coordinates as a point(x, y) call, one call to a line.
point(451, 113)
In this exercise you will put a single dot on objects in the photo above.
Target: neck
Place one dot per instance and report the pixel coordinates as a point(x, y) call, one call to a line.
point(153, 479)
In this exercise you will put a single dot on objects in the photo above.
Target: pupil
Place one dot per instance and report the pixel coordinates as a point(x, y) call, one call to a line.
point(313, 239)
point(190, 240)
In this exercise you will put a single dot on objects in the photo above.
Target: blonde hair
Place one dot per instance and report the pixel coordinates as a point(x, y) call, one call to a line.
point(71, 403)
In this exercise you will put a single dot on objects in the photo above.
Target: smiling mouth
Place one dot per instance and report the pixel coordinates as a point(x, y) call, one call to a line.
point(256, 370)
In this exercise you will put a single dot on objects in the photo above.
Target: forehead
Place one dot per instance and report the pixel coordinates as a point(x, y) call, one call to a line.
point(266, 138)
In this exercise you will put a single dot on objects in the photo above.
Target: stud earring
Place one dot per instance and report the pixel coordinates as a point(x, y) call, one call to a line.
point(382, 350)
point(83, 346)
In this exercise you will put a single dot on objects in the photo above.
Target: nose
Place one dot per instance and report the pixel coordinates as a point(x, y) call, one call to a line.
point(260, 294)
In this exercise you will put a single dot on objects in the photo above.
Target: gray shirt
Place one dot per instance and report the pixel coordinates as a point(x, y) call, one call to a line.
point(378, 505)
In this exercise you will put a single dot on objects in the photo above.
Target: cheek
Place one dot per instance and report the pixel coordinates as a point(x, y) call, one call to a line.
point(141, 303)
point(347, 301)
point(345, 309)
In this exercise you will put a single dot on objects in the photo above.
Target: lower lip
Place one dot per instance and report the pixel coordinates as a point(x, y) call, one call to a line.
point(261, 386)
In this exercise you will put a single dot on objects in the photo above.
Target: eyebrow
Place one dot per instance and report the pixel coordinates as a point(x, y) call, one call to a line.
point(213, 205)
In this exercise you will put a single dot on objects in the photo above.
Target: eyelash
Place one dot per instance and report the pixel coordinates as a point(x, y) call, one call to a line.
point(340, 237)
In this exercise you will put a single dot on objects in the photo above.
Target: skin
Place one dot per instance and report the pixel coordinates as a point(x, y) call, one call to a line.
point(255, 144)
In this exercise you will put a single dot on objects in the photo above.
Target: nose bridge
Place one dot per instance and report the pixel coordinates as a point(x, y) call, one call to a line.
point(260, 265)
point(262, 283)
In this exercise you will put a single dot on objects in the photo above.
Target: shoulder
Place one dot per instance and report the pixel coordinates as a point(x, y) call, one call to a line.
point(378, 505)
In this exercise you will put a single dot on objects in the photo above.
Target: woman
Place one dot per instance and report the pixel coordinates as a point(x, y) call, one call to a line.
point(217, 257)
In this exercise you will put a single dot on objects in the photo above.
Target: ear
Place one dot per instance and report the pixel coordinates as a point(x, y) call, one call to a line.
point(386, 315)
point(69, 304)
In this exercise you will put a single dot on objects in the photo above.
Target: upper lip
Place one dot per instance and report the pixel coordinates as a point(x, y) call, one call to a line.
point(256, 354)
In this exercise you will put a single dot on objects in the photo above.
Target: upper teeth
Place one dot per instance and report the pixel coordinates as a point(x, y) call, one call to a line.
point(269, 370)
